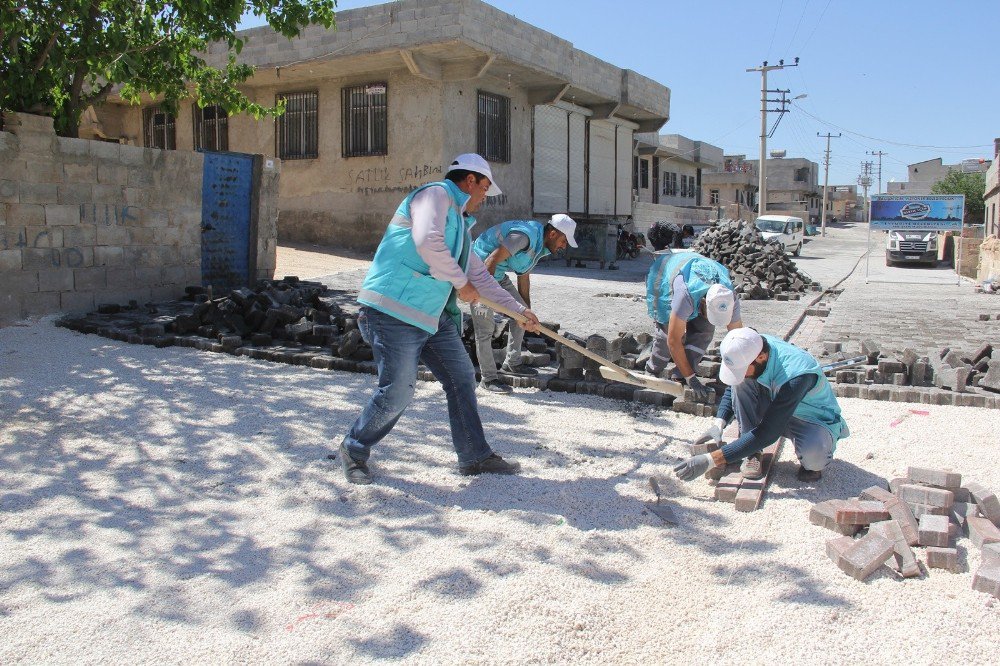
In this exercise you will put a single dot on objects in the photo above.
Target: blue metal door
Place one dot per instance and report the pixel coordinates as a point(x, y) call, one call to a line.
point(228, 221)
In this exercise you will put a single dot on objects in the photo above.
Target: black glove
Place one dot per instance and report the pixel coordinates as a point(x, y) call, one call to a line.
point(692, 468)
point(701, 392)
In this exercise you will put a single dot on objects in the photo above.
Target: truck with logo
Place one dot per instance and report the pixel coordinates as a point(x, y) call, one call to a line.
point(914, 223)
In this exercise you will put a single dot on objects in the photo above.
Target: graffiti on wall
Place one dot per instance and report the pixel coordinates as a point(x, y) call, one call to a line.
point(72, 257)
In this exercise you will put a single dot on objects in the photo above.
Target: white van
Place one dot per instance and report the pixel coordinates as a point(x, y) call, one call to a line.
point(783, 229)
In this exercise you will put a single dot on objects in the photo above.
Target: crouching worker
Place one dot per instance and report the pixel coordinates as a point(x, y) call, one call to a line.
point(687, 295)
point(513, 247)
point(409, 314)
point(774, 389)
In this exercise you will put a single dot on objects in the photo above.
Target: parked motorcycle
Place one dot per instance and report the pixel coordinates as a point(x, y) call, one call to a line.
point(629, 244)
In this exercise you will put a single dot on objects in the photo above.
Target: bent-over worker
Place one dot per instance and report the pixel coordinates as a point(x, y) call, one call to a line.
point(513, 247)
point(774, 389)
point(687, 295)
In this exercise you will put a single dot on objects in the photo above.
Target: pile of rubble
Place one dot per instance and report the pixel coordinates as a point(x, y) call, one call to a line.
point(949, 369)
point(930, 509)
point(760, 269)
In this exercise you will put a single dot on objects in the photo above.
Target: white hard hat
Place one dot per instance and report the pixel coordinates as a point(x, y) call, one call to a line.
point(475, 163)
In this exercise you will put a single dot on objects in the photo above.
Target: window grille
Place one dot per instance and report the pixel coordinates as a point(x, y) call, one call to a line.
point(364, 124)
point(159, 128)
point(297, 130)
point(493, 127)
point(211, 128)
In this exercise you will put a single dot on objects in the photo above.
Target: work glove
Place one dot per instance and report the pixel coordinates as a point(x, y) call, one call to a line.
point(713, 434)
point(701, 392)
point(692, 468)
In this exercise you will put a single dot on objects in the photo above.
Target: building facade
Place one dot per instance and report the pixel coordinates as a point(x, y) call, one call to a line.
point(732, 189)
point(991, 197)
point(383, 103)
point(922, 176)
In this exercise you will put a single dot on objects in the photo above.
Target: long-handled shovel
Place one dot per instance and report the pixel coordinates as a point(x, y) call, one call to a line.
point(608, 369)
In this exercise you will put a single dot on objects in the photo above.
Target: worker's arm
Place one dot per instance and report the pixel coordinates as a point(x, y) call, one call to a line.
point(524, 288)
point(428, 215)
point(737, 321)
point(772, 425)
point(495, 257)
point(676, 329)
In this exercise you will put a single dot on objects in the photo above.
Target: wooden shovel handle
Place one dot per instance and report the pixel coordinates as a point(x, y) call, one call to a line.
point(516, 316)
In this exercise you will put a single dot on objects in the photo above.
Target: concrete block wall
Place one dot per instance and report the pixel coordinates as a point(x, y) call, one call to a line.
point(86, 222)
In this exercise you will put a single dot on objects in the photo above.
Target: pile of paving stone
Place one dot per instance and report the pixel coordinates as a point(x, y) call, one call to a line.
point(928, 509)
point(760, 269)
point(965, 379)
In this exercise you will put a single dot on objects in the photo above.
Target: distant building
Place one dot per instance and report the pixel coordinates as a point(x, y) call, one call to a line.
point(991, 197)
point(791, 186)
point(842, 203)
point(733, 188)
point(922, 176)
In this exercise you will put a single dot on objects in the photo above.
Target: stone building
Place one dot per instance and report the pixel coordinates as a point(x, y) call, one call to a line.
point(382, 103)
point(842, 203)
point(732, 189)
point(922, 176)
point(991, 197)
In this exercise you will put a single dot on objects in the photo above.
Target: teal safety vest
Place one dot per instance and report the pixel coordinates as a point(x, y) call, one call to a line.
point(699, 274)
point(819, 406)
point(520, 262)
point(399, 282)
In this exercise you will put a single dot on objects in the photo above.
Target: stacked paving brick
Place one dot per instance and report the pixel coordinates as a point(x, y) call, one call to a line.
point(948, 377)
point(759, 268)
point(929, 509)
point(732, 487)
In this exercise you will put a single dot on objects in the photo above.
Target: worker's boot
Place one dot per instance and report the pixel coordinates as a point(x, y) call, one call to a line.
point(752, 469)
point(518, 370)
point(809, 475)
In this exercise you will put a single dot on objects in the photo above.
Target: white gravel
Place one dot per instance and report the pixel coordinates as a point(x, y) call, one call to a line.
point(178, 506)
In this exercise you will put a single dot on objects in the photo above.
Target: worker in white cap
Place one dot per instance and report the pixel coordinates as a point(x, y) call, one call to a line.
point(774, 389)
point(514, 247)
point(409, 314)
point(687, 295)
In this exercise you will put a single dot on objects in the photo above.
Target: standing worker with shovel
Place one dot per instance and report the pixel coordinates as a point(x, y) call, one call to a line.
point(409, 314)
point(687, 295)
point(513, 247)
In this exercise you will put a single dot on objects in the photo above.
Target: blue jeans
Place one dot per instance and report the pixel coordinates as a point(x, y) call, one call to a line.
point(813, 443)
point(397, 347)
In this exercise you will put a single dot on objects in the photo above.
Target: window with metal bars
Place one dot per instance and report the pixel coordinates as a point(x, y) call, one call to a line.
point(644, 174)
point(493, 127)
point(365, 120)
point(684, 185)
point(296, 132)
point(713, 196)
point(211, 128)
point(158, 128)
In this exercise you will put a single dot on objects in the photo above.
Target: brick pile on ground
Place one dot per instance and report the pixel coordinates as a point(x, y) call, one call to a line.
point(289, 314)
point(960, 378)
point(927, 511)
point(760, 269)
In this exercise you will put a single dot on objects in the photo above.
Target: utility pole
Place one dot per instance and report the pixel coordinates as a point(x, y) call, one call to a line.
point(762, 170)
point(826, 178)
point(879, 153)
point(865, 181)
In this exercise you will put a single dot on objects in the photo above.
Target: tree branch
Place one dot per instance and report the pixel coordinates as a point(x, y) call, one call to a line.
point(44, 54)
point(97, 96)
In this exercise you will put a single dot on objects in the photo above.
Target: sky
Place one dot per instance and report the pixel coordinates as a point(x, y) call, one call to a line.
point(913, 79)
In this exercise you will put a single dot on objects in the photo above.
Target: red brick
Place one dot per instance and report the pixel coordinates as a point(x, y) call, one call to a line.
point(906, 562)
point(982, 531)
point(987, 580)
point(857, 512)
point(938, 478)
point(823, 514)
point(901, 513)
point(933, 531)
point(991, 555)
point(917, 494)
point(747, 499)
point(987, 502)
point(877, 494)
point(865, 555)
point(943, 558)
point(728, 486)
point(835, 548)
